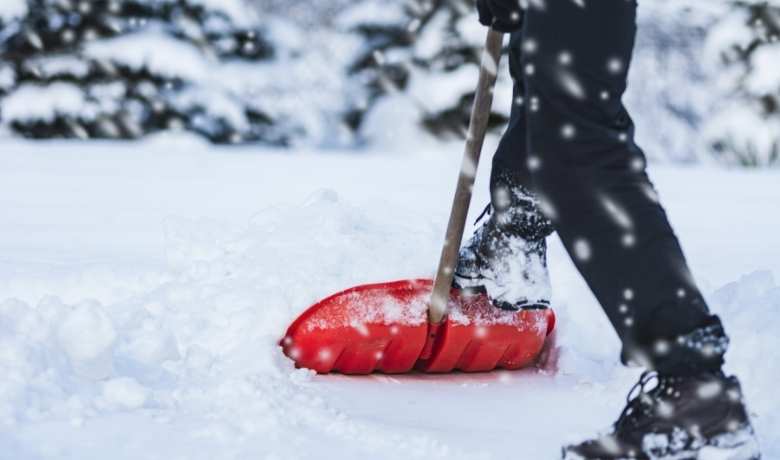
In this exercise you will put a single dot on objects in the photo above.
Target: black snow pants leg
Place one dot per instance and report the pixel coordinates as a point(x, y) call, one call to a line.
point(571, 142)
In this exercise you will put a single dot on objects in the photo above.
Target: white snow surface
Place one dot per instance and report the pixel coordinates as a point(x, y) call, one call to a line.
point(144, 287)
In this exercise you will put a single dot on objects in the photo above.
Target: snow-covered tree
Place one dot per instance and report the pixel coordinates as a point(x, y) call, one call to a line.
point(127, 68)
point(419, 61)
point(745, 44)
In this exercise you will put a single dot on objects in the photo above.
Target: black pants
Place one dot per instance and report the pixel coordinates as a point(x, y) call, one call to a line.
point(571, 142)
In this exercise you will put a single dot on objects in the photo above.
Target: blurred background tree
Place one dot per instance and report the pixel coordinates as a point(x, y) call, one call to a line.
point(121, 69)
point(425, 63)
point(704, 83)
point(744, 46)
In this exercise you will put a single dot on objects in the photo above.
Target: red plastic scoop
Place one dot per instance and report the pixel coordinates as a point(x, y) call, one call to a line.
point(423, 324)
point(384, 327)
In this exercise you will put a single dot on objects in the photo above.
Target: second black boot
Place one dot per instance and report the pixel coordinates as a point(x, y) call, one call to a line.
point(697, 417)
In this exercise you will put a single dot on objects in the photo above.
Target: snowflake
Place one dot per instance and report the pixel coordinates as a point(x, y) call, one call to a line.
point(534, 162)
point(568, 131)
point(615, 65)
point(582, 249)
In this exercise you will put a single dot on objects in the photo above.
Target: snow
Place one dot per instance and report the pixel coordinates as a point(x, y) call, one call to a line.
point(31, 101)
point(144, 287)
point(680, 44)
point(87, 336)
point(154, 50)
point(12, 9)
point(765, 60)
point(365, 12)
point(237, 10)
point(7, 77)
point(449, 87)
point(51, 66)
point(123, 392)
point(751, 135)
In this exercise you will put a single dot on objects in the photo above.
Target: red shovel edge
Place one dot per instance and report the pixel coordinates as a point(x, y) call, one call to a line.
point(384, 328)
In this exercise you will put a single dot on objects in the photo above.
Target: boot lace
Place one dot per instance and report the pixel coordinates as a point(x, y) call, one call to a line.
point(641, 396)
point(486, 212)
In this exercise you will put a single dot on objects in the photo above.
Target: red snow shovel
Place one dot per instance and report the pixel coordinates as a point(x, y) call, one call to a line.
point(422, 324)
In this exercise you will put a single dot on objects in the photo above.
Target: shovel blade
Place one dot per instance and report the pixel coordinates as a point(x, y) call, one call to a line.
point(384, 328)
point(375, 327)
point(478, 337)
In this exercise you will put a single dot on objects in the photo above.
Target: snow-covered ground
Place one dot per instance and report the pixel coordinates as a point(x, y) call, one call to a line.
point(143, 288)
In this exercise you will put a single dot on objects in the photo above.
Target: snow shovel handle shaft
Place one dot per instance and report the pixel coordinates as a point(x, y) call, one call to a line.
point(480, 113)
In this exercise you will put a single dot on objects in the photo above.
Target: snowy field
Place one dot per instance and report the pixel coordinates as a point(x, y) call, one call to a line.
point(143, 288)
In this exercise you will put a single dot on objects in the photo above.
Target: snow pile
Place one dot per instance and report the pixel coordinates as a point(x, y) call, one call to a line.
point(225, 300)
point(205, 336)
point(750, 308)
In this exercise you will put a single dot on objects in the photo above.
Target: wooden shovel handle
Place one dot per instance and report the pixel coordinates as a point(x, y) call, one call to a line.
point(480, 113)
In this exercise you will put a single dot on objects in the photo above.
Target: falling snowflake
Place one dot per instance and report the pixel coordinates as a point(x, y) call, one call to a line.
point(568, 131)
point(572, 85)
point(662, 347)
point(582, 250)
point(615, 65)
point(530, 45)
point(534, 104)
point(638, 164)
point(534, 162)
point(618, 214)
point(709, 390)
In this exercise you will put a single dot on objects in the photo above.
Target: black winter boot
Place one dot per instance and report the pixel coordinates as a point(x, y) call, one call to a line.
point(506, 256)
point(681, 418)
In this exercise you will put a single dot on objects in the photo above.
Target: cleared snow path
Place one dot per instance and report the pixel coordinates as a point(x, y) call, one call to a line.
point(143, 288)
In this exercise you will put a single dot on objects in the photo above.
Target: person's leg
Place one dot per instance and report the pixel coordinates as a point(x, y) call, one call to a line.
point(510, 176)
point(590, 176)
point(506, 257)
point(511, 157)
